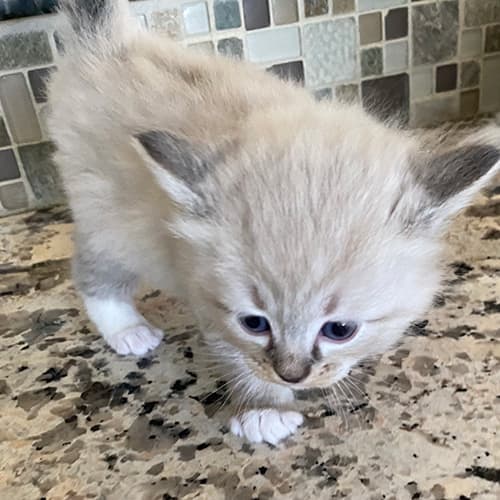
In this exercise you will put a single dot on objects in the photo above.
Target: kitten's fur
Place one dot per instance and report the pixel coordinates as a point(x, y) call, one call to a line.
point(242, 195)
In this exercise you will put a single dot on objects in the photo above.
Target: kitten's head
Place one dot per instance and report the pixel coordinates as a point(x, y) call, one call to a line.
point(313, 238)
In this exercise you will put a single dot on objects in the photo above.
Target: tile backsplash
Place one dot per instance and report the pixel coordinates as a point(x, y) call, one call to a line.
point(426, 60)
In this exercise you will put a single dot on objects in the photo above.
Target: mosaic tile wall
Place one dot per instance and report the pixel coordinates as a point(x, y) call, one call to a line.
point(426, 60)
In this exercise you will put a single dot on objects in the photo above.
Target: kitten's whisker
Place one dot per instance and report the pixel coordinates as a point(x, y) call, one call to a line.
point(242, 402)
point(227, 398)
point(353, 409)
point(245, 395)
point(217, 389)
point(341, 409)
point(234, 384)
point(329, 401)
point(357, 389)
point(346, 400)
point(212, 371)
point(240, 385)
point(346, 393)
point(228, 381)
point(354, 377)
point(221, 370)
point(338, 405)
point(215, 358)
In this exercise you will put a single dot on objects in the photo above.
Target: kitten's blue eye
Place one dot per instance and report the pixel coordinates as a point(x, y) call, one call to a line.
point(339, 331)
point(255, 324)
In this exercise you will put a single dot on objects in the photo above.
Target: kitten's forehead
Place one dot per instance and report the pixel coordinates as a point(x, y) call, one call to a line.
point(301, 180)
point(317, 178)
point(311, 209)
point(311, 216)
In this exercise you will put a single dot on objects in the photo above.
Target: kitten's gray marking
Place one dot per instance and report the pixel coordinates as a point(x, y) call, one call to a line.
point(87, 15)
point(177, 156)
point(98, 275)
point(451, 172)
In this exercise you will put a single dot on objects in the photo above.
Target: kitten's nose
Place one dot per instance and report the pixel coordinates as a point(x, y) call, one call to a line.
point(293, 373)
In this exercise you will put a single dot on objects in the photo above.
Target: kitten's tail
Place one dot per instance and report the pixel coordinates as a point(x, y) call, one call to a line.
point(97, 26)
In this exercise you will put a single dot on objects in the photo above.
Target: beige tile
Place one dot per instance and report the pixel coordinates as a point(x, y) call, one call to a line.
point(18, 108)
point(490, 96)
point(422, 82)
point(284, 11)
point(472, 43)
point(370, 28)
point(343, 6)
point(13, 196)
point(469, 103)
point(434, 111)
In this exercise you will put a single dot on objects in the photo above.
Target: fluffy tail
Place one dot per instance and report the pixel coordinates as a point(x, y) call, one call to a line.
point(95, 25)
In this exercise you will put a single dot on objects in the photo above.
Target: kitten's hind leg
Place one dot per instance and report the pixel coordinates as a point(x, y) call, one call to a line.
point(107, 289)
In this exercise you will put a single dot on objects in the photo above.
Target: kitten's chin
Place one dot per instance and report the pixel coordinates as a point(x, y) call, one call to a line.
point(300, 386)
point(326, 382)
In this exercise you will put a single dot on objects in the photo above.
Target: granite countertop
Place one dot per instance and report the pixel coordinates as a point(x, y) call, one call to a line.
point(78, 421)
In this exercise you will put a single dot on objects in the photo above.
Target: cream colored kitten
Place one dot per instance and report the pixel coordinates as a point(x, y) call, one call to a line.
point(305, 235)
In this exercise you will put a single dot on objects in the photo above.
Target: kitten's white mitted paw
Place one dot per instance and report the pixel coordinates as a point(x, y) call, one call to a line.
point(137, 340)
point(121, 325)
point(268, 425)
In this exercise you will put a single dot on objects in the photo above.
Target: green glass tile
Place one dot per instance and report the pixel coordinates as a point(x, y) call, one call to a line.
point(232, 47)
point(470, 73)
point(315, 7)
point(323, 94)
point(42, 173)
point(371, 62)
point(492, 43)
point(348, 92)
point(434, 32)
point(227, 14)
point(24, 49)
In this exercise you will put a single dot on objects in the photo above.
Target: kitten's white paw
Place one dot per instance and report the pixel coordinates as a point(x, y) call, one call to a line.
point(137, 340)
point(267, 425)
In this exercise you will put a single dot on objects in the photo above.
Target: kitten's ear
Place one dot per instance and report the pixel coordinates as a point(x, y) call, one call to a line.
point(451, 169)
point(179, 167)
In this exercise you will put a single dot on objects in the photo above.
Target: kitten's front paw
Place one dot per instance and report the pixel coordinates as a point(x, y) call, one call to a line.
point(267, 425)
point(136, 340)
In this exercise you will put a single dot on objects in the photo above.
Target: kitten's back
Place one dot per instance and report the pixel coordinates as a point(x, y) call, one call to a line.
point(115, 81)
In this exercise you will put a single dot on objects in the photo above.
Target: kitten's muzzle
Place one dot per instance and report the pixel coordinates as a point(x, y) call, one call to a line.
point(290, 368)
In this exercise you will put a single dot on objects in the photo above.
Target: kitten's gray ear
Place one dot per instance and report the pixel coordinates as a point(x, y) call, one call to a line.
point(179, 167)
point(452, 169)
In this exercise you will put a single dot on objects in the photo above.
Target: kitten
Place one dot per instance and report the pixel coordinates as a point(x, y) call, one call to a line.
point(305, 235)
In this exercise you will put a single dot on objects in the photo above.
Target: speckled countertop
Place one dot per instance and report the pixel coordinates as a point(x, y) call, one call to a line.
point(77, 421)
